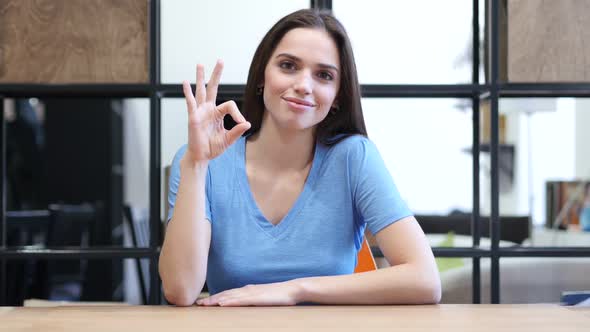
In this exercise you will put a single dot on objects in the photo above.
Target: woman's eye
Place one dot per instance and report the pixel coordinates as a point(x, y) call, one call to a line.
point(325, 76)
point(287, 65)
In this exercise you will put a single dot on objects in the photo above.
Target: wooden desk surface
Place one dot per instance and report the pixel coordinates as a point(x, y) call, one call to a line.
point(456, 318)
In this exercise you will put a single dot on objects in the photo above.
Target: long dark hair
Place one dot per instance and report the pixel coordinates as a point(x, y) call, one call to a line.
point(348, 119)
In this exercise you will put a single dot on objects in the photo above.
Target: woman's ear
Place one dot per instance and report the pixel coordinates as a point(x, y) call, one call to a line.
point(335, 104)
point(334, 109)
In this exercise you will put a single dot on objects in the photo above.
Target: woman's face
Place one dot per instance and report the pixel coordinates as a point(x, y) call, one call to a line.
point(301, 80)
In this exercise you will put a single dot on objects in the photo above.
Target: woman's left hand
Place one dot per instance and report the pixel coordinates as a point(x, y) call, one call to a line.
point(275, 294)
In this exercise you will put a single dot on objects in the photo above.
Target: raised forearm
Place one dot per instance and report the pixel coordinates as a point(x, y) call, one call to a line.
point(400, 284)
point(183, 259)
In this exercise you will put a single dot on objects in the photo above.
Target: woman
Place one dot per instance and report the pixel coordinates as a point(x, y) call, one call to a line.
point(278, 217)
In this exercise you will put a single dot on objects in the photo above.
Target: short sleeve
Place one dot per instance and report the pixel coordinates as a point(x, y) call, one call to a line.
point(377, 200)
point(174, 181)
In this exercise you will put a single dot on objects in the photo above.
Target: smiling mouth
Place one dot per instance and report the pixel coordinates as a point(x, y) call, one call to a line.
point(298, 102)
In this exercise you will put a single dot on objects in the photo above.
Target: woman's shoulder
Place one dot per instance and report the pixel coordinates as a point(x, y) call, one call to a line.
point(354, 145)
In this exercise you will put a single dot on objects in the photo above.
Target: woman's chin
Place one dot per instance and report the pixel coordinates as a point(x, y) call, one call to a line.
point(295, 126)
point(289, 121)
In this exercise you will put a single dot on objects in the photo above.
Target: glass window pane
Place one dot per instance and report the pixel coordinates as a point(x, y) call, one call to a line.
point(547, 177)
point(420, 140)
point(91, 280)
point(174, 135)
point(425, 146)
point(541, 280)
point(409, 42)
point(482, 45)
point(174, 128)
point(522, 279)
point(136, 149)
point(203, 31)
point(77, 170)
point(456, 278)
point(135, 290)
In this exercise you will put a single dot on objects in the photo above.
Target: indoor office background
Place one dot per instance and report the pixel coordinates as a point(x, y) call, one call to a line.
point(86, 165)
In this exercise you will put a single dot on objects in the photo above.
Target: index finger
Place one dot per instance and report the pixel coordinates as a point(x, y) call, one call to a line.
point(230, 107)
point(214, 82)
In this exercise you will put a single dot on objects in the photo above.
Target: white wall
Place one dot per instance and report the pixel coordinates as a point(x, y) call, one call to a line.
point(422, 142)
point(201, 31)
point(409, 42)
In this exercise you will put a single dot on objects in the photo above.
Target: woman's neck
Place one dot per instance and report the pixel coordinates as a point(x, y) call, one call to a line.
point(280, 150)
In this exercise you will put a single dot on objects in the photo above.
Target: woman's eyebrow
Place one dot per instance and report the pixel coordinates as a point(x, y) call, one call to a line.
point(296, 59)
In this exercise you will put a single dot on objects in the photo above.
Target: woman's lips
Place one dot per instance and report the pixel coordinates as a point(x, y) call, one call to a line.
point(299, 104)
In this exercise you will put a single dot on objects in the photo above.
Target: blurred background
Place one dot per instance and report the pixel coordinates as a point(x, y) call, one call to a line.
point(78, 169)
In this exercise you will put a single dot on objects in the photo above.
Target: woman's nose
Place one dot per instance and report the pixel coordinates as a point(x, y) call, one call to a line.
point(303, 84)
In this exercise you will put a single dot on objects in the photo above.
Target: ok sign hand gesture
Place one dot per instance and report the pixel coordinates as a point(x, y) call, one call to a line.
point(207, 138)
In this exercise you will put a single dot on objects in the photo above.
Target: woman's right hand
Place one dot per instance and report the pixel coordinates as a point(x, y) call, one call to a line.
point(207, 138)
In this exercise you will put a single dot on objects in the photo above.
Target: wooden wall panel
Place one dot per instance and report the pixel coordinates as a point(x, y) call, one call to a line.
point(74, 41)
point(549, 41)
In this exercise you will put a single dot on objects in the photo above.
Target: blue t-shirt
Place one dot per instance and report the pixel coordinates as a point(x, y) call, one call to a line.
point(348, 188)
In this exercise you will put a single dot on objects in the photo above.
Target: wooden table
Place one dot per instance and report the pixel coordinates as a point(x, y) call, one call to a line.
point(456, 318)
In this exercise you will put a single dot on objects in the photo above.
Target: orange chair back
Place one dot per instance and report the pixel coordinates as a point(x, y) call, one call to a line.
point(365, 260)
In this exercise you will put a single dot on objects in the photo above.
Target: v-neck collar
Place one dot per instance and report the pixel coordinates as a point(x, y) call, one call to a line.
point(275, 231)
